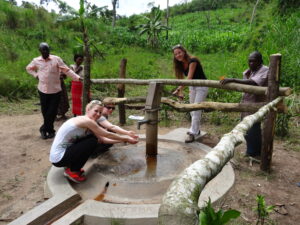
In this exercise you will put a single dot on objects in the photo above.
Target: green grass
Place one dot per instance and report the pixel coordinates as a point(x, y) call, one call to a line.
point(19, 107)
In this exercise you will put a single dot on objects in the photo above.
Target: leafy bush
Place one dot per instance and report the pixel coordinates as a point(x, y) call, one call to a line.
point(15, 89)
point(285, 6)
point(208, 216)
point(278, 40)
point(262, 210)
point(283, 120)
point(12, 17)
point(223, 43)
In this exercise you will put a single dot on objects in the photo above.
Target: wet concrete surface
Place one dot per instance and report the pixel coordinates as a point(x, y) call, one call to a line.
point(134, 177)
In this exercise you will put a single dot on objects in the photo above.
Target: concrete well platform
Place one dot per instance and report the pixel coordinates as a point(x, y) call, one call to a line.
point(124, 186)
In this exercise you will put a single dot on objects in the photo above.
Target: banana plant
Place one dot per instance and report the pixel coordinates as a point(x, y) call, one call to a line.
point(152, 27)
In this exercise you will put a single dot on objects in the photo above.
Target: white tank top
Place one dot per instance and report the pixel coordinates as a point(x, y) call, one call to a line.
point(66, 135)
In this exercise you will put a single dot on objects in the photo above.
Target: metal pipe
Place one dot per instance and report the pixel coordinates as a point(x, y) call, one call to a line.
point(141, 122)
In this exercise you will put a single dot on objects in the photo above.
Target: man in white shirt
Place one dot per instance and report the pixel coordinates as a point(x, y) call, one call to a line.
point(47, 68)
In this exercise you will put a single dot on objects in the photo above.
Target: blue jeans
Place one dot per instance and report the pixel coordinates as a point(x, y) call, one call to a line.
point(254, 140)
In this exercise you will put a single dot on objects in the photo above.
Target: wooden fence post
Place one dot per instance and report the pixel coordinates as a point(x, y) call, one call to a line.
point(269, 123)
point(121, 92)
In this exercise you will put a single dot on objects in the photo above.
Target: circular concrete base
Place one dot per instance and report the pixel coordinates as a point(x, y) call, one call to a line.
point(125, 175)
point(136, 184)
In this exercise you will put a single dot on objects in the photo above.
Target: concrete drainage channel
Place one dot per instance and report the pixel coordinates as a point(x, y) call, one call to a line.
point(124, 186)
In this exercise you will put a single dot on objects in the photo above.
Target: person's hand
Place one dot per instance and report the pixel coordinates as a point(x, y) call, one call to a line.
point(133, 134)
point(181, 97)
point(226, 80)
point(80, 79)
point(176, 93)
point(132, 140)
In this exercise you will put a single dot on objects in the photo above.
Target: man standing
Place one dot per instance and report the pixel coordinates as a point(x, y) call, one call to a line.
point(47, 68)
point(257, 75)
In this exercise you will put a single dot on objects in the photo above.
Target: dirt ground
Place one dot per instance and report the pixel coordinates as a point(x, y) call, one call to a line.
point(24, 166)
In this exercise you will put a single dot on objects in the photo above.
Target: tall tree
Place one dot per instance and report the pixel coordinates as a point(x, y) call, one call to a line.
point(87, 54)
point(114, 4)
point(168, 11)
point(253, 12)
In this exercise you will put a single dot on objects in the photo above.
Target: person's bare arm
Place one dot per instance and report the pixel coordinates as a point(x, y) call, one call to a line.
point(99, 132)
point(108, 141)
point(108, 125)
point(66, 70)
point(240, 81)
point(31, 68)
point(192, 69)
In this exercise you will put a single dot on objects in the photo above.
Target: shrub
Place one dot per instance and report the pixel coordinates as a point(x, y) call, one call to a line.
point(208, 216)
point(12, 18)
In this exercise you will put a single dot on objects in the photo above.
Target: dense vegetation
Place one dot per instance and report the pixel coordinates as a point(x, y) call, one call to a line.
point(218, 32)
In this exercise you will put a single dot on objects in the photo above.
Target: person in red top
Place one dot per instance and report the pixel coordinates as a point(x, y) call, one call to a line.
point(47, 69)
point(77, 86)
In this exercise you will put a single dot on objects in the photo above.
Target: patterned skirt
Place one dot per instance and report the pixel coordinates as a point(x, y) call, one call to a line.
point(63, 106)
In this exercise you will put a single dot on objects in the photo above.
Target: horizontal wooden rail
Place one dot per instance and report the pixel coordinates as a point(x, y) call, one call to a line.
point(206, 106)
point(180, 203)
point(284, 91)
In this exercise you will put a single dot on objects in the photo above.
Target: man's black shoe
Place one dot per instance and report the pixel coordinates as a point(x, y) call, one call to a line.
point(43, 135)
point(51, 135)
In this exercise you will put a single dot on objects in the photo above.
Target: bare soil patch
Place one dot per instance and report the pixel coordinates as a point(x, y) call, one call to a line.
point(24, 166)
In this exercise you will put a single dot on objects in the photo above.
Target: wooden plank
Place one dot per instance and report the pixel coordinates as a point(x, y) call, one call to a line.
point(206, 106)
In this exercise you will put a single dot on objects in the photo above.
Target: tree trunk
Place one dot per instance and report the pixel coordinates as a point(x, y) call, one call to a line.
point(87, 70)
point(180, 203)
point(167, 34)
point(114, 3)
point(253, 12)
point(121, 92)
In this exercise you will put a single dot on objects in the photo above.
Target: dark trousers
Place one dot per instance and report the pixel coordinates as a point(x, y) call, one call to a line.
point(49, 106)
point(78, 153)
point(100, 149)
point(254, 140)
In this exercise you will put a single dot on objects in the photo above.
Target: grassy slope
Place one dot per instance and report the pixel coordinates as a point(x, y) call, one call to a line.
point(222, 46)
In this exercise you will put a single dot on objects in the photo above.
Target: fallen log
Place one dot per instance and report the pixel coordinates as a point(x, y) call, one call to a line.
point(180, 203)
point(206, 106)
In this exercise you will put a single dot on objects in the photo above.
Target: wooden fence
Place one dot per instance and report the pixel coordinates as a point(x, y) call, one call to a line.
point(179, 205)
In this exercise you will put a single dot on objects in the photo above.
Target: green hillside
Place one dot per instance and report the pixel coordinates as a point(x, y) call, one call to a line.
point(221, 36)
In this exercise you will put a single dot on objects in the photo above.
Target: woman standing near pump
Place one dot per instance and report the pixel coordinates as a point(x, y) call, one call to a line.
point(189, 66)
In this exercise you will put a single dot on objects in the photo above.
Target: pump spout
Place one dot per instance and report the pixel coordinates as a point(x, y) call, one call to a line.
point(140, 122)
